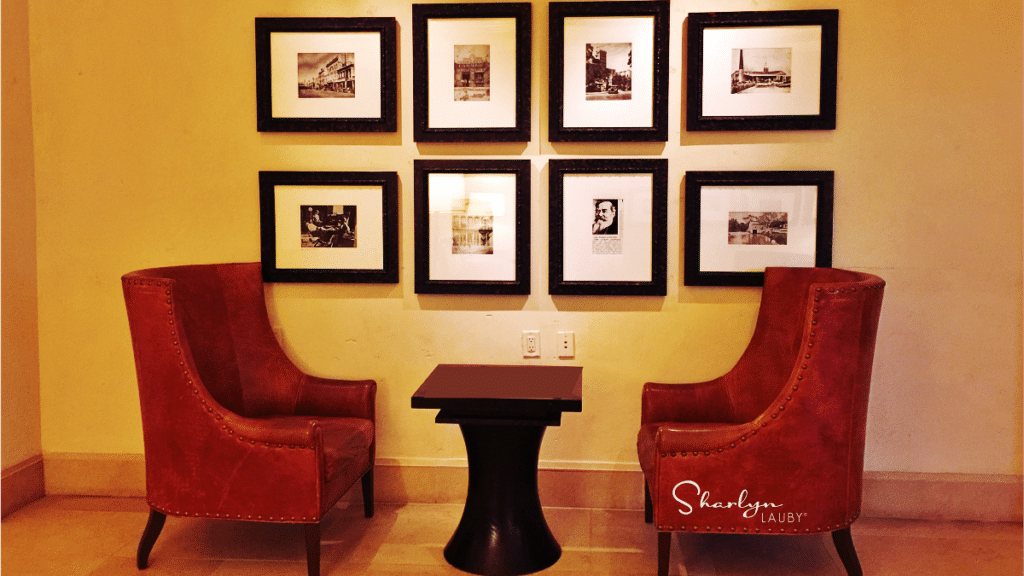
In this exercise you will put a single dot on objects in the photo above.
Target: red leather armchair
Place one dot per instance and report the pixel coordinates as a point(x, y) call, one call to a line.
point(232, 429)
point(776, 445)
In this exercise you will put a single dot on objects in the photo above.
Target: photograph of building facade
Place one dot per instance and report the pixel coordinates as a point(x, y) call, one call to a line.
point(473, 72)
point(604, 81)
point(472, 234)
point(335, 79)
point(744, 80)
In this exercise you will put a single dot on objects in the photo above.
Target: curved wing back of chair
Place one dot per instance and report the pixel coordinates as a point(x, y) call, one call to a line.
point(221, 402)
point(223, 316)
point(232, 428)
point(769, 357)
point(777, 444)
point(189, 338)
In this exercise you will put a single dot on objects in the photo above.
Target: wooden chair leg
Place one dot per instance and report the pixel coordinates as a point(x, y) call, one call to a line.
point(664, 550)
point(368, 493)
point(648, 505)
point(313, 549)
point(844, 546)
point(153, 527)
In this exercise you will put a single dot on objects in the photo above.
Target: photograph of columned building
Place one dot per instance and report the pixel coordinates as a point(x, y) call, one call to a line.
point(472, 227)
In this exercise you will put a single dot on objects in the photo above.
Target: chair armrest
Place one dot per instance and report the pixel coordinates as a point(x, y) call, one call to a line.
point(273, 431)
point(701, 437)
point(694, 402)
point(345, 398)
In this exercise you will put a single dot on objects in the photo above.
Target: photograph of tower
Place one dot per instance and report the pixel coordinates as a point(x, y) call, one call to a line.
point(610, 71)
point(773, 76)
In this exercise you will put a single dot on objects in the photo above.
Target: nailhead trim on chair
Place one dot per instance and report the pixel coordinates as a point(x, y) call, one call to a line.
point(176, 344)
point(795, 388)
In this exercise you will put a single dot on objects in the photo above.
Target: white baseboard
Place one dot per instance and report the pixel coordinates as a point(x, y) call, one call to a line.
point(978, 497)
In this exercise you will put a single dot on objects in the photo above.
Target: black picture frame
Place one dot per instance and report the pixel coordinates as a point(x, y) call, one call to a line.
point(360, 240)
point(452, 254)
point(630, 260)
point(458, 120)
point(278, 109)
point(582, 116)
point(717, 255)
point(712, 105)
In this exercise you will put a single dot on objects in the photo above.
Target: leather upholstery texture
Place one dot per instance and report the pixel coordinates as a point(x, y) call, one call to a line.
point(232, 428)
point(776, 445)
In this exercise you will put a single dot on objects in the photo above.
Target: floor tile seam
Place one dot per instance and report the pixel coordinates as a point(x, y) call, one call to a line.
point(923, 536)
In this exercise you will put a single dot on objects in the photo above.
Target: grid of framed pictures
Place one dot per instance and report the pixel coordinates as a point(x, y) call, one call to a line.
point(608, 66)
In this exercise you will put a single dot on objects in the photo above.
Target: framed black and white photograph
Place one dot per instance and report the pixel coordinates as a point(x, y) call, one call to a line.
point(607, 227)
point(326, 75)
point(739, 223)
point(471, 72)
point(608, 66)
point(772, 70)
point(472, 226)
point(329, 226)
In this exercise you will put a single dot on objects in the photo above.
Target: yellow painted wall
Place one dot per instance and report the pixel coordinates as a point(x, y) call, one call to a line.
point(147, 154)
point(20, 370)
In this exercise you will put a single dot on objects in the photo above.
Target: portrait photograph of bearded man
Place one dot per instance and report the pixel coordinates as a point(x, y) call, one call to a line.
point(606, 217)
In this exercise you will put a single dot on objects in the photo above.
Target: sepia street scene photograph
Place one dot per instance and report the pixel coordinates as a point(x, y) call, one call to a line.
point(609, 71)
point(760, 70)
point(472, 72)
point(325, 75)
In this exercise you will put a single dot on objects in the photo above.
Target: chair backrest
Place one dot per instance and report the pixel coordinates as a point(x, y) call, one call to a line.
point(220, 310)
point(796, 409)
point(782, 324)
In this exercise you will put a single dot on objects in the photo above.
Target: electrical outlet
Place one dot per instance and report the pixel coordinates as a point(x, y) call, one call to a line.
point(531, 343)
point(566, 345)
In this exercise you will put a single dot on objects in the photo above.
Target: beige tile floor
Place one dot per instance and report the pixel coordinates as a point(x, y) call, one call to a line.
point(98, 536)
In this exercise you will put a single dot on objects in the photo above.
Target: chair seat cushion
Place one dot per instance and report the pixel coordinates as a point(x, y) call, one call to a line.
point(347, 444)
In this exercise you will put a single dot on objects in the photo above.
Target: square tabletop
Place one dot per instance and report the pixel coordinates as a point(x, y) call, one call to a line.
point(498, 388)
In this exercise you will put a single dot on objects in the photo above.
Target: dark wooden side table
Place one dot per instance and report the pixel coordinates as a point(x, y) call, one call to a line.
point(502, 412)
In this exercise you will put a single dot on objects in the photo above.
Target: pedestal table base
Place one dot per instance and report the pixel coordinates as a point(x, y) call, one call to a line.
point(503, 531)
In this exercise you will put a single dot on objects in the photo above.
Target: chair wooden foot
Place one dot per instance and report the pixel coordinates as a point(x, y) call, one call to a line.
point(368, 493)
point(648, 505)
point(664, 549)
point(844, 546)
point(153, 527)
point(313, 549)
